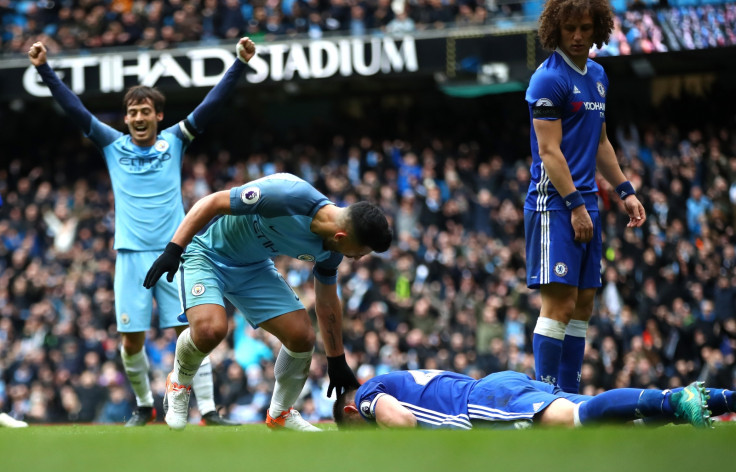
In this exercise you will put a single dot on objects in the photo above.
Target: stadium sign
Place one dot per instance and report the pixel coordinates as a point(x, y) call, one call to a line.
point(482, 56)
point(276, 62)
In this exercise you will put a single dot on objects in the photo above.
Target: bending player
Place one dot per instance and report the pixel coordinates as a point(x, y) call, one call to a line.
point(442, 399)
point(232, 258)
point(145, 169)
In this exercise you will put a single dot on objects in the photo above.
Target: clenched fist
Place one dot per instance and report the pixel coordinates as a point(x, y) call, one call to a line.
point(246, 49)
point(37, 54)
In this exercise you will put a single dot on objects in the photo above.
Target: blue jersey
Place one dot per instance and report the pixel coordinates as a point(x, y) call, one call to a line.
point(270, 216)
point(559, 90)
point(443, 399)
point(146, 182)
point(438, 399)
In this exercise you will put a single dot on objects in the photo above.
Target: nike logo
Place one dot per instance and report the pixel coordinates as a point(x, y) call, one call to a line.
point(690, 395)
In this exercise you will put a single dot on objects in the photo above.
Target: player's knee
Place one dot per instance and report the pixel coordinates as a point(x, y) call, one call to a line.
point(560, 412)
point(208, 335)
point(301, 341)
point(132, 343)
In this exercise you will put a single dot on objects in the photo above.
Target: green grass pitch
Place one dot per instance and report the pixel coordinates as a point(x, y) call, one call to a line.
point(82, 448)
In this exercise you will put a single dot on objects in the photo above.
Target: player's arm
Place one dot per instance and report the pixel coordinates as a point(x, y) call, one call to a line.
point(202, 212)
point(220, 93)
point(549, 139)
point(389, 413)
point(68, 100)
point(608, 166)
point(329, 319)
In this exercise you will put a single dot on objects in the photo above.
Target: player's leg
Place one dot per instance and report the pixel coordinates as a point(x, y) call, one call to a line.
point(201, 292)
point(573, 346)
point(553, 260)
point(589, 279)
point(628, 404)
point(204, 390)
point(207, 323)
point(720, 401)
point(267, 301)
point(558, 305)
point(170, 307)
point(133, 305)
point(296, 333)
point(560, 412)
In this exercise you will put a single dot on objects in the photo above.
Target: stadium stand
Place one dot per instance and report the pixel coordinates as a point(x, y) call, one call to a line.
point(450, 294)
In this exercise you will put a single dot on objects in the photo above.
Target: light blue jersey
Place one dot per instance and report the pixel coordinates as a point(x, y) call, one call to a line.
point(146, 182)
point(270, 216)
point(559, 90)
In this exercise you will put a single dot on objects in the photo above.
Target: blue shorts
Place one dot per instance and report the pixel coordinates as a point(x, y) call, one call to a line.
point(553, 256)
point(509, 396)
point(134, 303)
point(256, 290)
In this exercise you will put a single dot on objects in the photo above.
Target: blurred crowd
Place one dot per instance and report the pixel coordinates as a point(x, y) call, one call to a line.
point(160, 24)
point(73, 25)
point(449, 294)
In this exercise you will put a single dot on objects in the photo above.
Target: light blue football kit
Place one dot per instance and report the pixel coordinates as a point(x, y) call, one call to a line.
point(146, 182)
point(232, 258)
point(559, 90)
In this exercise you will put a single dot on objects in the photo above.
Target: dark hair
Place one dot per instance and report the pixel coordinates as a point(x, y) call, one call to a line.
point(556, 11)
point(140, 93)
point(338, 408)
point(370, 226)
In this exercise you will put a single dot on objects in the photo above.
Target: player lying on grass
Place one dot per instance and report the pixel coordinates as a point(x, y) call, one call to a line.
point(441, 399)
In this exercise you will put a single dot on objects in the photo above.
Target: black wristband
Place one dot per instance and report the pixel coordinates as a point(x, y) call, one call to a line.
point(175, 249)
point(573, 200)
point(625, 189)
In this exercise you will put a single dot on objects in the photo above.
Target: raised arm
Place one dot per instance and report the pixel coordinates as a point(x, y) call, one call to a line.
point(218, 96)
point(71, 104)
point(202, 212)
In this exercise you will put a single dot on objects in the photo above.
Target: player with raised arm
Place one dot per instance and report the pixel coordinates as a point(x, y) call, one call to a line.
point(145, 170)
point(231, 259)
point(439, 399)
point(567, 107)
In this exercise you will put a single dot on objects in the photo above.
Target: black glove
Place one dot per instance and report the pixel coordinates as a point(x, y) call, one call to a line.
point(341, 377)
point(167, 263)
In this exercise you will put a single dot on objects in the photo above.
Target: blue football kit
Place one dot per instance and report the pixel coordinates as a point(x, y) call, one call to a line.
point(447, 400)
point(441, 399)
point(146, 182)
point(232, 258)
point(559, 90)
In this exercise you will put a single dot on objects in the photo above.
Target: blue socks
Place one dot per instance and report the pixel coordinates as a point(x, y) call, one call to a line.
point(623, 404)
point(721, 401)
point(559, 351)
point(547, 344)
point(573, 350)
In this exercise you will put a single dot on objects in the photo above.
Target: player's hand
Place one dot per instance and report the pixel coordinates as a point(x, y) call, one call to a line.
point(341, 377)
point(167, 263)
point(635, 210)
point(582, 224)
point(37, 54)
point(246, 49)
